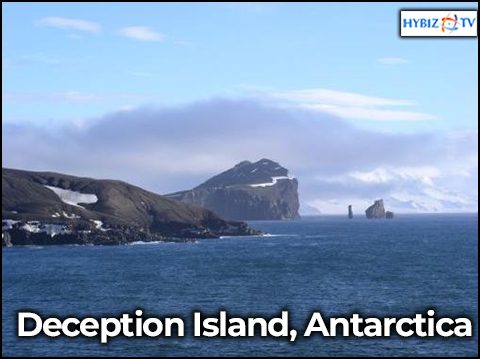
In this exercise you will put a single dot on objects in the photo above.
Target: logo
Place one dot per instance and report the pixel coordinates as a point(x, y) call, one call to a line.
point(450, 23)
point(438, 23)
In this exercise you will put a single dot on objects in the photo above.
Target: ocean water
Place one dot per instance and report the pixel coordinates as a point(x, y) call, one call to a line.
point(328, 264)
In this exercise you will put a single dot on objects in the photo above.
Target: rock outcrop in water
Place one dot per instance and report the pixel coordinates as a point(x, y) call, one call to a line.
point(350, 212)
point(262, 190)
point(376, 210)
point(53, 208)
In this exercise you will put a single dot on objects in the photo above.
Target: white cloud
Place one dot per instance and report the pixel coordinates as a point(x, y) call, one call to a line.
point(373, 114)
point(127, 108)
point(404, 189)
point(424, 174)
point(393, 61)
point(70, 24)
point(337, 164)
point(351, 105)
point(141, 33)
point(432, 199)
point(317, 96)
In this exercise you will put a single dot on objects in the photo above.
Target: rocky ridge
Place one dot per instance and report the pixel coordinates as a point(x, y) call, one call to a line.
point(47, 207)
point(261, 190)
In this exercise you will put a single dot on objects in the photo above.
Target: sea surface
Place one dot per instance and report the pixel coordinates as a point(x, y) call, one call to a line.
point(328, 264)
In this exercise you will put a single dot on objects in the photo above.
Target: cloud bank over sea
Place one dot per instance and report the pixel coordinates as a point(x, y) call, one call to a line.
point(166, 149)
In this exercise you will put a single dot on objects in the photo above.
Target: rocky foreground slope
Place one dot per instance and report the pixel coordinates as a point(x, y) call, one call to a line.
point(53, 208)
point(262, 190)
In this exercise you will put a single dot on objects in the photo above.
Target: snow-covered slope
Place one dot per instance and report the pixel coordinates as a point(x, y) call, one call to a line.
point(73, 198)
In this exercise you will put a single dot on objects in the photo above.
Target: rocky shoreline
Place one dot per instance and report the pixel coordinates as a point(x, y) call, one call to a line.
point(17, 234)
point(53, 208)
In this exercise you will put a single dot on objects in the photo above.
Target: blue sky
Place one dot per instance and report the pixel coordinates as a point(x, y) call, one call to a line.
point(65, 63)
point(208, 50)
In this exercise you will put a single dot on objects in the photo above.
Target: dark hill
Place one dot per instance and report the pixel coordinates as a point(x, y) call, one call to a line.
point(26, 197)
point(262, 190)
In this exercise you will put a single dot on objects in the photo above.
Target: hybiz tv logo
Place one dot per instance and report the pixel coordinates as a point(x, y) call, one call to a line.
point(450, 22)
point(438, 23)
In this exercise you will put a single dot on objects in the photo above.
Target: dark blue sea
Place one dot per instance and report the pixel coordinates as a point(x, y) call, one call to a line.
point(329, 264)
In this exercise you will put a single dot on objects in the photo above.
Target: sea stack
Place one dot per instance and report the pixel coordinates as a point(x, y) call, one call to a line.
point(389, 215)
point(376, 210)
point(350, 212)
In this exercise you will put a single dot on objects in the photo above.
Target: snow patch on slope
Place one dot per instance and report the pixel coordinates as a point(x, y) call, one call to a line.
point(99, 225)
point(274, 181)
point(8, 224)
point(73, 198)
point(50, 229)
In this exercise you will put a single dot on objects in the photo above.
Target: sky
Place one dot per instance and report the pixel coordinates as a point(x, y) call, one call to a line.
point(167, 95)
